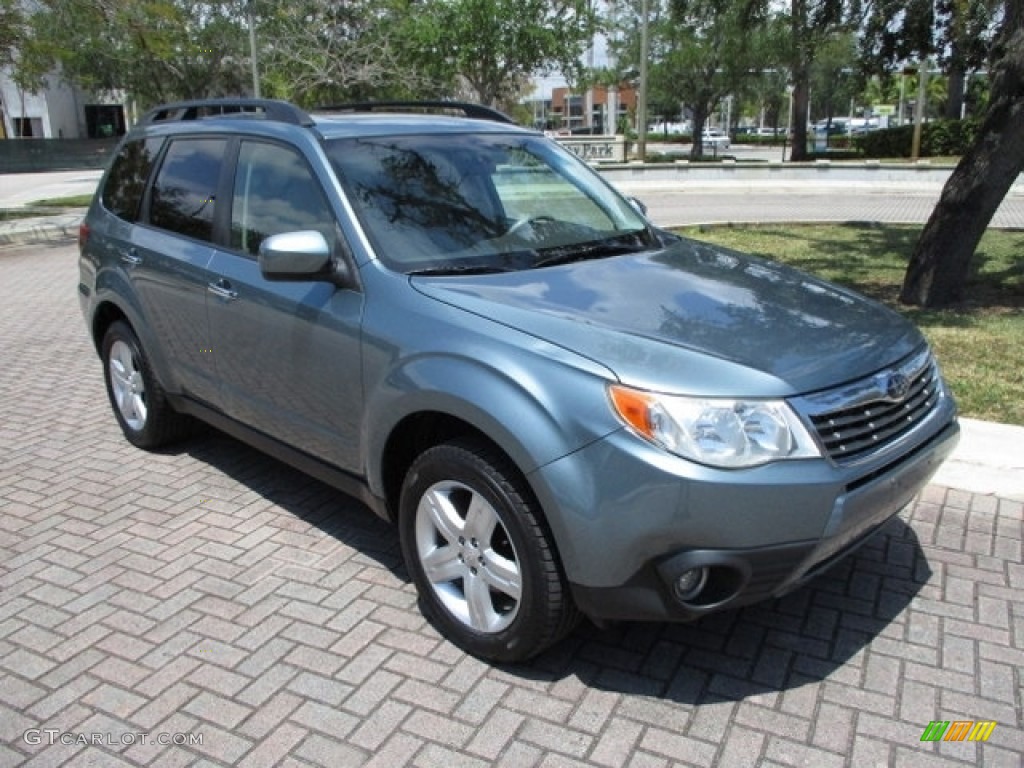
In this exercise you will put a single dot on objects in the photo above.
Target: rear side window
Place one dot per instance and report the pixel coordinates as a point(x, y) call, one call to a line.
point(122, 192)
point(186, 186)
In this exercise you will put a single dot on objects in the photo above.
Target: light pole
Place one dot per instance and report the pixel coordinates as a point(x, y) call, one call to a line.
point(641, 96)
point(919, 109)
point(252, 50)
point(789, 121)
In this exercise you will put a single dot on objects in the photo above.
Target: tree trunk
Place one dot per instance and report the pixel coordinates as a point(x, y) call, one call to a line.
point(941, 262)
point(801, 95)
point(700, 117)
point(800, 73)
point(956, 77)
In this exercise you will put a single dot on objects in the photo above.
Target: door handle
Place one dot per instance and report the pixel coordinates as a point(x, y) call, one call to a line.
point(131, 257)
point(222, 289)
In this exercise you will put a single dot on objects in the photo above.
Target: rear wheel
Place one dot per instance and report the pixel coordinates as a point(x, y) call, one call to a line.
point(475, 545)
point(138, 400)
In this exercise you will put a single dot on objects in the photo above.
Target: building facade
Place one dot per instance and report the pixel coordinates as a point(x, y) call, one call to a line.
point(56, 111)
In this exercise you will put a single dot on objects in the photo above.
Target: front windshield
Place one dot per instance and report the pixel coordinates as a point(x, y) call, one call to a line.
point(481, 202)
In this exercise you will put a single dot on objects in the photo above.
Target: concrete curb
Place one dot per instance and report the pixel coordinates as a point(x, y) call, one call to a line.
point(989, 461)
point(41, 229)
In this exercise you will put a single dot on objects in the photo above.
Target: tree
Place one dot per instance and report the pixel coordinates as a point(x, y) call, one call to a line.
point(12, 31)
point(156, 50)
point(941, 261)
point(319, 52)
point(812, 24)
point(700, 52)
point(495, 46)
point(958, 33)
point(834, 78)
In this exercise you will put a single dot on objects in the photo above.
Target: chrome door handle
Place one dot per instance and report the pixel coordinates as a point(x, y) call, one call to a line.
point(222, 289)
point(131, 257)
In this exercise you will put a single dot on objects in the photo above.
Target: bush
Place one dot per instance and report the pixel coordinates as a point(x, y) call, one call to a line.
point(938, 138)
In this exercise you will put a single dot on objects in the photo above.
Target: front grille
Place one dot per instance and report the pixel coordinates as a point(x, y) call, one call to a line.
point(869, 415)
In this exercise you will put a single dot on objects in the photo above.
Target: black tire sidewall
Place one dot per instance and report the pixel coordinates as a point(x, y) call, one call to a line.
point(467, 464)
point(147, 436)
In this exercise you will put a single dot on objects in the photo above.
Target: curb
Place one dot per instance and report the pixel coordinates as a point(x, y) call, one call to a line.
point(42, 229)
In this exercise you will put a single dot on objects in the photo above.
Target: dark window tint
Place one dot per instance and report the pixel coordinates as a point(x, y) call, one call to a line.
point(275, 192)
point(184, 190)
point(126, 181)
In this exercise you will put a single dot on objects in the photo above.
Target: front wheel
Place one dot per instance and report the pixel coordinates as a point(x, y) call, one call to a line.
point(475, 545)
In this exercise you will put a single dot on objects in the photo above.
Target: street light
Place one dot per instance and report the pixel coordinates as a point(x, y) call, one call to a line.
point(252, 50)
point(641, 97)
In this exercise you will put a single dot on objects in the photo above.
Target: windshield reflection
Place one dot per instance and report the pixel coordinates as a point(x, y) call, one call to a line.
point(480, 202)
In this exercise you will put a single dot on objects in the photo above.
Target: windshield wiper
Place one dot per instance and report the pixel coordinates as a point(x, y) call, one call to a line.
point(456, 269)
point(566, 254)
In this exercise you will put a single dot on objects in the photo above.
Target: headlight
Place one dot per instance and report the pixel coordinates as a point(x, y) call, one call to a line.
point(718, 432)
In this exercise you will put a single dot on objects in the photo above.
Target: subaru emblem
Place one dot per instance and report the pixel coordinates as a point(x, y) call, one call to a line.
point(897, 386)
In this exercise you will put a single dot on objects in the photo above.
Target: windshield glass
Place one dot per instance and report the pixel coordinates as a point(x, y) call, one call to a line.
point(481, 202)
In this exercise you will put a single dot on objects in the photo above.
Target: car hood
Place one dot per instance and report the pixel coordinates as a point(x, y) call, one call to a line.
point(693, 319)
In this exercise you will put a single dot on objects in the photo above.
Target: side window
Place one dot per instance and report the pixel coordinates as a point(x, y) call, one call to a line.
point(122, 192)
point(274, 192)
point(185, 186)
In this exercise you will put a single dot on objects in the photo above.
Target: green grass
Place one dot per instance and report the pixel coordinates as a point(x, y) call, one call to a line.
point(980, 344)
point(46, 207)
point(72, 201)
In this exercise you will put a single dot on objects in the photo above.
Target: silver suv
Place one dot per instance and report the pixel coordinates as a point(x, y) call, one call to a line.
point(564, 410)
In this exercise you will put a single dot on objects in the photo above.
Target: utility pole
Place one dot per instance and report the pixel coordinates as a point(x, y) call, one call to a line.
point(252, 50)
point(919, 109)
point(641, 96)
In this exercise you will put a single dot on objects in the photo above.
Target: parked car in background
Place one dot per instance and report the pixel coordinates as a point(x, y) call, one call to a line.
point(712, 138)
point(563, 409)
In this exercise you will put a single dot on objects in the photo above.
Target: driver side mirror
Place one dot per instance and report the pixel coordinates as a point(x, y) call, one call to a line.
point(296, 256)
point(637, 203)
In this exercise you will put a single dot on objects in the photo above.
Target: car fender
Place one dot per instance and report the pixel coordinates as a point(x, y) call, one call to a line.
point(536, 412)
point(112, 287)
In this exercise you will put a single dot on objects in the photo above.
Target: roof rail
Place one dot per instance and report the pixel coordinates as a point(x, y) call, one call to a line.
point(475, 111)
point(269, 109)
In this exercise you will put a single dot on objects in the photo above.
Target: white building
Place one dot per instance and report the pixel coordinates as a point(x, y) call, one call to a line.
point(57, 111)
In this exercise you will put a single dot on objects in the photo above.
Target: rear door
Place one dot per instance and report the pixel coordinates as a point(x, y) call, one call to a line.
point(287, 353)
point(170, 256)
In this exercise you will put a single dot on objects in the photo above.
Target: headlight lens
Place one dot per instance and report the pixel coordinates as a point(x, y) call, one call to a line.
point(718, 432)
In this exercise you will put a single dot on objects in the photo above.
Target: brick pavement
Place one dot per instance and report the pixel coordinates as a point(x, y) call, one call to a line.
point(213, 593)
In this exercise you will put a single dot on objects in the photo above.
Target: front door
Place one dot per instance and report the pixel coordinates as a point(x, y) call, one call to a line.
point(287, 353)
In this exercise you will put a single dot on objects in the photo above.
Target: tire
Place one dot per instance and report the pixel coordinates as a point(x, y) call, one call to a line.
point(474, 543)
point(139, 402)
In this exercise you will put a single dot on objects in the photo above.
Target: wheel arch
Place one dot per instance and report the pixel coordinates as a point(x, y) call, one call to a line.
point(106, 314)
point(439, 398)
point(413, 435)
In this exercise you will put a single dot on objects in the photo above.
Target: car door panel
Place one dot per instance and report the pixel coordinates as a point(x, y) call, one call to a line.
point(286, 353)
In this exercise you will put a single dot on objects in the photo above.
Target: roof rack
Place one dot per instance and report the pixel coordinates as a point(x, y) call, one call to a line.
point(475, 111)
point(269, 109)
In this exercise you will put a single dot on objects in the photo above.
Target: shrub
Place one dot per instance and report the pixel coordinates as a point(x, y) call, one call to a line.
point(938, 138)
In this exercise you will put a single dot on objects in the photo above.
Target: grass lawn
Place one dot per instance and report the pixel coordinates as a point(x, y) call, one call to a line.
point(45, 207)
point(980, 344)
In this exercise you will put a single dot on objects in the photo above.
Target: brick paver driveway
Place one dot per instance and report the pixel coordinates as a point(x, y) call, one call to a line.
point(215, 598)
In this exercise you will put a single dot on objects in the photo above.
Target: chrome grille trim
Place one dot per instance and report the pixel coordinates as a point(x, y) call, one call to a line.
point(855, 420)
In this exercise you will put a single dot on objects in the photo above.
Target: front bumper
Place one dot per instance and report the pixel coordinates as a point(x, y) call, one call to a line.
point(757, 533)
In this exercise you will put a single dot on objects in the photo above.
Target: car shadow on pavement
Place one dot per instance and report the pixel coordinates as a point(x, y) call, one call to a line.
point(309, 500)
point(778, 645)
point(782, 644)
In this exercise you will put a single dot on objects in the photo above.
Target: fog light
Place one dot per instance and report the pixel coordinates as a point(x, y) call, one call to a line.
point(689, 583)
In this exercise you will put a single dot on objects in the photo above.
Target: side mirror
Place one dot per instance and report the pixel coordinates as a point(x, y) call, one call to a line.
point(298, 256)
point(638, 204)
